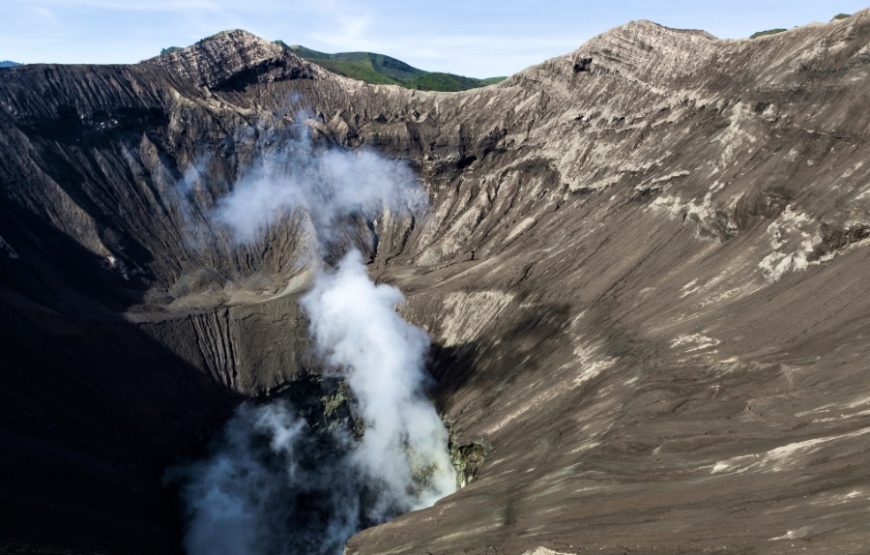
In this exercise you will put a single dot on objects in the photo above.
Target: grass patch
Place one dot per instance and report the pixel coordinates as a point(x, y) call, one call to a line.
point(767, 33)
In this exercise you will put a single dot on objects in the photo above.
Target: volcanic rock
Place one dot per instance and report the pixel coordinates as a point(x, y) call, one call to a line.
point(644, 270)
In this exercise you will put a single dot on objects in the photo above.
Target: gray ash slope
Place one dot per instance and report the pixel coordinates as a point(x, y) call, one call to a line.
point(644, 271)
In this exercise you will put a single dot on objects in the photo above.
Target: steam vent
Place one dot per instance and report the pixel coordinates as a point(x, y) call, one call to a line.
point(617, 303)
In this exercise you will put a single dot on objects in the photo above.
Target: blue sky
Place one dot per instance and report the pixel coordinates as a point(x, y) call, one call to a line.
point(472, 37)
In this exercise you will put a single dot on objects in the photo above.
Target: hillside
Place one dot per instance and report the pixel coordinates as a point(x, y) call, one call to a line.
point(8, 63)
point(382, 69)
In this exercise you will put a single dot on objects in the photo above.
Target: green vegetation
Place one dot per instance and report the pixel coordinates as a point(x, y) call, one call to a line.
point(779, 30)
point(493, 80)
point(384, 70)
point(437, 81)
point(380, 69)
point(766, 33)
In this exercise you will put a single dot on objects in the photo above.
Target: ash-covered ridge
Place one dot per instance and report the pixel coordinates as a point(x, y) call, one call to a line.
point(643, 270)
point(213, 61)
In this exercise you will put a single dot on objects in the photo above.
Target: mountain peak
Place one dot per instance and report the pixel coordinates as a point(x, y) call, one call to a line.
point(648, 27)
point(640, 50)
point(218, 59)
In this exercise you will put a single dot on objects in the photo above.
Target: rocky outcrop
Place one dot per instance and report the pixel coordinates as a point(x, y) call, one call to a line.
point(226, 60)
point(642, 266)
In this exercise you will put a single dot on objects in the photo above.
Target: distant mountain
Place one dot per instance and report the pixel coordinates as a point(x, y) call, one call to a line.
point(8, 63)
point(381, 69)
point(767, 33)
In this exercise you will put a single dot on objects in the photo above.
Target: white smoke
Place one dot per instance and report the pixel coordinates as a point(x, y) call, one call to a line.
point(226, 494)
point(356, 327)
point(273, 484)
point(324, 185)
